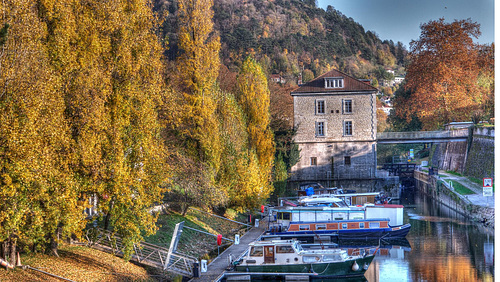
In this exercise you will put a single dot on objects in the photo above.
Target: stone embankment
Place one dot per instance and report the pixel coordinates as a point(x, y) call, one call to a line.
point(475, 206)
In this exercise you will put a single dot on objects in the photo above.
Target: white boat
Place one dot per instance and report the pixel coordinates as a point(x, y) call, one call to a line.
point(288, 256)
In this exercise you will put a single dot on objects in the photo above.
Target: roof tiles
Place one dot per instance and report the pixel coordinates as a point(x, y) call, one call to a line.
point(318, 84)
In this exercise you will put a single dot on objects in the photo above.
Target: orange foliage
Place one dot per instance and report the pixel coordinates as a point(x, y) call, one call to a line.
point(443, 74)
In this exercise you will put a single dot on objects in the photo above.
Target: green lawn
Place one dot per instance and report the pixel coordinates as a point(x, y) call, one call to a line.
point(460, 189)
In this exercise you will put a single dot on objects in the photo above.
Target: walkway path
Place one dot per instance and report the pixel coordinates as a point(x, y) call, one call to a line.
point(476, 199)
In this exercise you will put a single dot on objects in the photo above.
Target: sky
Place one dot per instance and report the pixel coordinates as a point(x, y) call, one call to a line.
point(399, 20)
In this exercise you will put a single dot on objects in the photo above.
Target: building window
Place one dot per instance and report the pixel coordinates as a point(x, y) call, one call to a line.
point(347, 160)
point(320, 128)
point(320, 106)
point(314, 161)
point(348, 128)
point(334, 82)
point(347, 106)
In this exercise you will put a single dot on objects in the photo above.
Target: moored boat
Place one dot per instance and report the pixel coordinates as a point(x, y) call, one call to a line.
point(288, 256)
point(354, 222)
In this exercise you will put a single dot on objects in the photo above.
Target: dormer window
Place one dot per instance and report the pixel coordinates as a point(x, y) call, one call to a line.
point(334, 82)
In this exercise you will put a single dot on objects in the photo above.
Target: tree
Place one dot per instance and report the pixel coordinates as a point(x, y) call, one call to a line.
point(253, 97)
point(405, 121)
point(39, 200)
point(198, 67)
point(109, 61)
point(443, 74)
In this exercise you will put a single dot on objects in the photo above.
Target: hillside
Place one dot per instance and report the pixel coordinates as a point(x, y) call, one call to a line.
point(293, 38)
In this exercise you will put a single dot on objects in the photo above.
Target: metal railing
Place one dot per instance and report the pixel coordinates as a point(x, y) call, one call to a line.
point(144, 253)
point(422, 136)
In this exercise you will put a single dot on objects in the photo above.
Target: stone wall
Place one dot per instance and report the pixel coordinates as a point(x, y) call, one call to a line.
point(441, 193)
point(363, 117)
point(335, 156)
point(481, 156)
point(450, 156)
point(330, 161)
point(472, 158)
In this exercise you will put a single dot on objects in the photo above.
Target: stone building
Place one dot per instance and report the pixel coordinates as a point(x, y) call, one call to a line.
point(335, 116)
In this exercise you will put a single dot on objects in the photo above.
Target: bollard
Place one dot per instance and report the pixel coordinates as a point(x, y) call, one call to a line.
point(237, 239)
point(196, 270)
point(256, 222)
point(204, 267)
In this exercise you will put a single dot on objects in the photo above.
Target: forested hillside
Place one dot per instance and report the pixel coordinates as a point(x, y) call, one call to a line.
point(292, 38)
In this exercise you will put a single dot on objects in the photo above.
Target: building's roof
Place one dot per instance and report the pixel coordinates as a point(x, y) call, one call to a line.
point(317, 85)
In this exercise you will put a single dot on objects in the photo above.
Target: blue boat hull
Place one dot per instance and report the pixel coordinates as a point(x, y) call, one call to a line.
point(375, 233)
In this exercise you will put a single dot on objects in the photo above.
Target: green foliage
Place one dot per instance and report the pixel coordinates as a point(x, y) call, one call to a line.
point(460, 189)
point(400, 119)
point(3, 34)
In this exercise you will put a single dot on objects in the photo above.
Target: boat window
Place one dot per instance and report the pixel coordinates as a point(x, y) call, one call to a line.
point(309, 259)
point(361, 225)
point(332, 258)
point(320, 226)
point(284, 215)
point(374, 224)
point(284, 249)
point(344, 225)
point(256, 251)
point(304, 227)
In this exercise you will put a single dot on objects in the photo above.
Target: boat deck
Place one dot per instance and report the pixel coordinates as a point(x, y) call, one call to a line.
point(216, 269)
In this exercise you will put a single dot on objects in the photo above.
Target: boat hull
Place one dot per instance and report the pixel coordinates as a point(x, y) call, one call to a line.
point(333, 269)
point(355, 234)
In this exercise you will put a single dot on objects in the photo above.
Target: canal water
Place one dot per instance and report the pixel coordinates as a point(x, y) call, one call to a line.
point(442, 246)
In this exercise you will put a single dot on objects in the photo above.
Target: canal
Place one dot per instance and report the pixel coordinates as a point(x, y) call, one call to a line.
point(442, 246)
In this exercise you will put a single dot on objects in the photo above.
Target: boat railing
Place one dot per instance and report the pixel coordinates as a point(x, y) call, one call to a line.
point(276, 227)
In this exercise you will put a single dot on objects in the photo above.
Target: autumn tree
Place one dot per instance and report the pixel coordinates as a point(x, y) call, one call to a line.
point(109, 61)
point(253, 97)
point(196, 122)
point(444, 74)
point(198, 67)
point(39, 199)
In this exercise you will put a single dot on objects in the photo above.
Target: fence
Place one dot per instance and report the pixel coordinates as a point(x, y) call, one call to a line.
point(144, 253)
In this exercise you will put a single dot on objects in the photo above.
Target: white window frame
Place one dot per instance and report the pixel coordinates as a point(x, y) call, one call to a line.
point(345, 128)
point(318, 103)
point(320, 125)
point(334, 82)
point(345, 109)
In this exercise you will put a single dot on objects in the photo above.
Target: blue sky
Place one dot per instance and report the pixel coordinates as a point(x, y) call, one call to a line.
point(399, 20)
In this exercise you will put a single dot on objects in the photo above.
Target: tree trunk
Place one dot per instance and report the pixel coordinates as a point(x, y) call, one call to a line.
point(13, 247)
point(53, 246)
point(108, 216)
